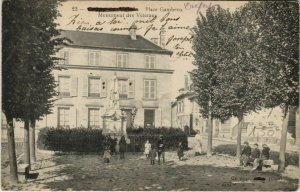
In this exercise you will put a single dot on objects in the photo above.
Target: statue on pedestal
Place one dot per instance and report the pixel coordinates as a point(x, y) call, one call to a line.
point(113, 118)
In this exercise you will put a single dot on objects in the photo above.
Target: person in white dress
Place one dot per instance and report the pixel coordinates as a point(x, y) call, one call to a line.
point(147, 149)
point(198, 138)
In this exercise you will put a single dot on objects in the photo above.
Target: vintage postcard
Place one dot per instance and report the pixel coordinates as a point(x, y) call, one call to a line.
point(150, 96)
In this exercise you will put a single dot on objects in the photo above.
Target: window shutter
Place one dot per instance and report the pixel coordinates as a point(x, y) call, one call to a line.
point(73, 117)
point(51, 118)
point(126, 60)
point(147, 61)
point(57, 83)
point(91, 58)
point(67, 56)
point(152, 62)
point(119, 60)
point(131, 89)
point(158, 117)
point(103, 88)
point(74, 86)
point(61, 57)
point(85, 116)
point(85, 87)
point(97, 58)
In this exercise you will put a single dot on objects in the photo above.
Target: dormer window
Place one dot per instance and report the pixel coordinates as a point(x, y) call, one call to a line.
point(94, 58)
point(122, 60)
point(150, 61)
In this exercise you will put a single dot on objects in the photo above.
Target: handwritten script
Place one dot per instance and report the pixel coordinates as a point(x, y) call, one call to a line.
point(149, 24)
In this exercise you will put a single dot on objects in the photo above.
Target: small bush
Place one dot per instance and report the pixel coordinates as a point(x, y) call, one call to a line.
point(70, 140)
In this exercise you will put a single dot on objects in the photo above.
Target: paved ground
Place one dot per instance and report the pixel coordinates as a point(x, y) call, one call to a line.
point(88, 172)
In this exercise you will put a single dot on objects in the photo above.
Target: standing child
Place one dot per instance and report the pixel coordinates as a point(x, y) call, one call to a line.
point(152, 155)
point(107, 155)
point(180, 151)
point(147, 149)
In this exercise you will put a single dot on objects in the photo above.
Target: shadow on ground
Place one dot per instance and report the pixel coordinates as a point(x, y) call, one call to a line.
point(88, 172)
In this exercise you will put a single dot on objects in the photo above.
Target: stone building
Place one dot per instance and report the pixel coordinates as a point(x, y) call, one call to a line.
point(84, 76)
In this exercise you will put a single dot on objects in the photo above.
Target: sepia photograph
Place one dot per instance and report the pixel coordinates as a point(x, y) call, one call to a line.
point(150, 95)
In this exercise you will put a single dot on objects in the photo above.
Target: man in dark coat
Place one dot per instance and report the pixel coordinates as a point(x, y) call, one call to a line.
point(246, 153)
point(122, 145)
point(161, 149)
point(255, 157)
point(265, 154)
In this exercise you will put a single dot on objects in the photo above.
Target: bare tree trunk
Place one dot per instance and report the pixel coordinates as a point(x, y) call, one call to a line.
point(26, 142)
point(298, 133)
point(210, 132)
point(239, 138)
point(32, 141)
point(12, 151)
point(298, 129)
point(281, 166)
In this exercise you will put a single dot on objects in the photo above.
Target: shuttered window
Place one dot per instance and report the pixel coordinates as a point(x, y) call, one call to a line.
point(64, 88)
point(64, 57)
point(94, 118)
point(94, 87)
point(150, 61)
point(63, 117)
point(94, 58)
point(122, 60)
point(150, 89)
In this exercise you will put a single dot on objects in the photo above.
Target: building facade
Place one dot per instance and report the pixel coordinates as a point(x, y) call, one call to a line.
point(186, 113)
point(84, 76)
point(262, 126)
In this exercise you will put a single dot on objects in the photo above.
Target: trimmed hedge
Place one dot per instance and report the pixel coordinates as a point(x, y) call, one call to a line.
point(171, 136)
point(70, 140)
point(92, 140)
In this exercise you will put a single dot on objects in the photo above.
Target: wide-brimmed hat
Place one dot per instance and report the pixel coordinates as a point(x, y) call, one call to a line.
point(246, 142)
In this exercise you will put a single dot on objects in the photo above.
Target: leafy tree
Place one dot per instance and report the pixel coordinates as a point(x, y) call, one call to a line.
point(227, 70)
point(30, 41)
point(277, 24)
point(207, 46)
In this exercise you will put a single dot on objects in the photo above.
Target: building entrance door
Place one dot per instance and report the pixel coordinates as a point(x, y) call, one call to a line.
point(149, 118)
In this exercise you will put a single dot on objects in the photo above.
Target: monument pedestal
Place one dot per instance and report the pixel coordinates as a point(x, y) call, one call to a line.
point(114, 122)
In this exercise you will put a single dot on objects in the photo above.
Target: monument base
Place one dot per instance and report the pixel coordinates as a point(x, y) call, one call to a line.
point(114, 123)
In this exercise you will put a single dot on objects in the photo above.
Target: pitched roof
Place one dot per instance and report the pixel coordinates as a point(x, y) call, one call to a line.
point(112, 41)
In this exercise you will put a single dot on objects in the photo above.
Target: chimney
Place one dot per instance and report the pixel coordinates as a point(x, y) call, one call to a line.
point(154, 40)
point(162, 37)
point(132, 31)
point(186, 83)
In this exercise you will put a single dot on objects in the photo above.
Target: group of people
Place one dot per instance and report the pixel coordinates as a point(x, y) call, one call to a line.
point(254, 156)
point(151, 151)
point(112, 146)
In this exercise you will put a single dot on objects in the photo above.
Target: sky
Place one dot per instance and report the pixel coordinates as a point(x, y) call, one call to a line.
point(177, 18)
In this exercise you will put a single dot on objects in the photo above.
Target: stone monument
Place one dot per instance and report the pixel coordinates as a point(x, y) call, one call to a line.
point(114, 120)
